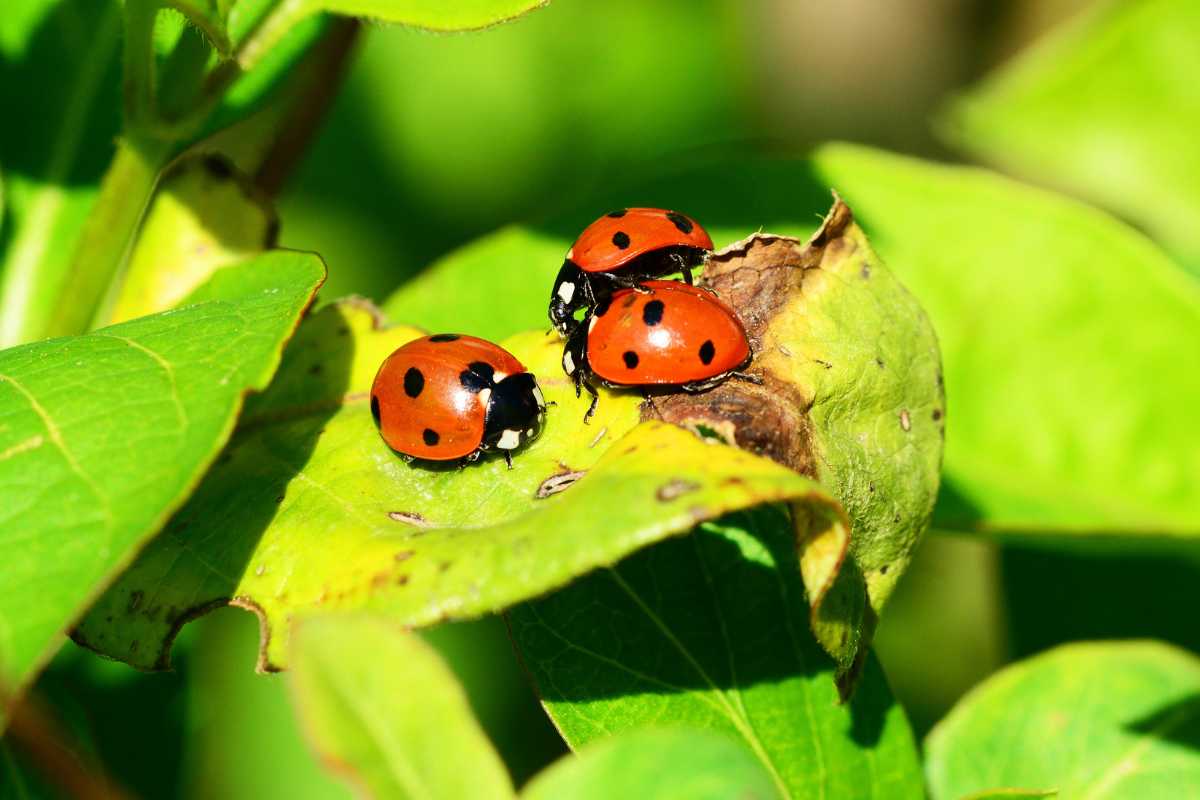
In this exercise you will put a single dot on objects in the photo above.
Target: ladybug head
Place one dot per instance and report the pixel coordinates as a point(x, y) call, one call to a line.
point(569, 294)
point(515, 414)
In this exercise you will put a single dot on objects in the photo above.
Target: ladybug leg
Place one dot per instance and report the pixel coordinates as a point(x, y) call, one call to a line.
point(626, 282)
point(747, 377)
point(595, 399)
point(508, 458)
point(687, 276)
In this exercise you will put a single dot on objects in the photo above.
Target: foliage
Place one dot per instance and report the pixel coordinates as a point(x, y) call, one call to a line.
point(692, 583)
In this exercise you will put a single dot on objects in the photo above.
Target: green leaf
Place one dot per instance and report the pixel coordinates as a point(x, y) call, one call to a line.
point(852, 396)
point(656, 765)
point(462, 15)
point(308, 508)
point(382, 708)
point(204, 216)
point(59, 63)
point(1103, 719)
point(1011, 794)
point(1064, 334)
point(1104, 107)
point(102, 436)
point(502, 284)
point(710, 631)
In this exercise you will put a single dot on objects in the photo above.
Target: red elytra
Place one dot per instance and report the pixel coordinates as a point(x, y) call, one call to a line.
point(674, 334)
point(439, 398)
point(618, 238)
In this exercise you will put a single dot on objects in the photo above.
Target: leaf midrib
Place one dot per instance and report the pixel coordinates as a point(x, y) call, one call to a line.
point(741, 723)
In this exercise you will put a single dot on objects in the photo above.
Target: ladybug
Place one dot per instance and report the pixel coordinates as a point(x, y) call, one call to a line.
point(619, 250)
point(452, 396)
point(667, 334)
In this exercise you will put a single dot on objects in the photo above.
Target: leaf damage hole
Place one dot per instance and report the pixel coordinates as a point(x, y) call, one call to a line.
point(409, 518)
point(557, 483)
point(675, 488)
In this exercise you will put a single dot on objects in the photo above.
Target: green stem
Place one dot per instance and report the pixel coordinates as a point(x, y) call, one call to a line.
point(270, 30)
point(139, 61)
point(104, 243)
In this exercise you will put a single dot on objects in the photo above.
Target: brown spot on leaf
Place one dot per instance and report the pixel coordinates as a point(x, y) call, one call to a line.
point(905, 420)
point(675, 488)
point(769, 419)
point(409, 518)
point(937, 414)
point(401, 580)
point(559, 482)
point(403, 555)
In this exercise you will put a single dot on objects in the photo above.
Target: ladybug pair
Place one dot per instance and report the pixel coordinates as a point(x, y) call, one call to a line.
point(453, 397)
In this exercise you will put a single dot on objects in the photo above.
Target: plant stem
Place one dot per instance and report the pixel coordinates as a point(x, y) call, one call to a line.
point(108, 233)
point(139, 84)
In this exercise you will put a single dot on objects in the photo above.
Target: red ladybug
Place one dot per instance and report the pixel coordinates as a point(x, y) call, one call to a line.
point(667, 334)
point(619, 250)
point(452, 396)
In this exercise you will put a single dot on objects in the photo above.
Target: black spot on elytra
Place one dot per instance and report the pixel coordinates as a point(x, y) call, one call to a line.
point(375, 409)
point(680, 221)
point(707, 351)
point(414, 382)
point(477, 376)
point(616, 214)
point(630, 358)
point(443, 337)
point(431, 437)
point(652, 312)
point(621, 239)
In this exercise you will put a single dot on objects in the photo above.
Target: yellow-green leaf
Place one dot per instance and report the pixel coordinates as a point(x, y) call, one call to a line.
point(309, 509)
point(204, 216)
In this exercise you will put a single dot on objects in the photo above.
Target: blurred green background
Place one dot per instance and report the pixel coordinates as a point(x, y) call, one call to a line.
point(437, 139)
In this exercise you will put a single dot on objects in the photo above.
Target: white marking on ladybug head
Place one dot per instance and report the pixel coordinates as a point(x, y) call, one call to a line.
point(592, 322)
point(498, 376)
point(568, 363)
point(509, 440)
point(485, 397)
point(537, 396)
point(571, 253)
point(566, 290)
